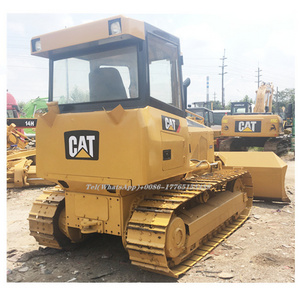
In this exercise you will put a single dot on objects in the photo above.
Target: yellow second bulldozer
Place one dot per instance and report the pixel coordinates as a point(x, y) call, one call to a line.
point(126, 160)
point(20, 160)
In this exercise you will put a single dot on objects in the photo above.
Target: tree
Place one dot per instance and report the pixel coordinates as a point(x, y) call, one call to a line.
point(285, 97)
point(246, 99)
point(217, 105)
point(21, 105)
point(228, 106)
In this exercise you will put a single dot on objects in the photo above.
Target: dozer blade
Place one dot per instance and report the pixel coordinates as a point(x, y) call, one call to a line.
point(21, 172)
point(267, 171)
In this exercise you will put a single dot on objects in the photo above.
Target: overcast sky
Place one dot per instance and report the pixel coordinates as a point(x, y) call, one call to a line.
point(254, 36)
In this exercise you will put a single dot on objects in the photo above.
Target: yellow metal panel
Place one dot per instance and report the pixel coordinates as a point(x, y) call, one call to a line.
point(84, 210)
point(270, 125)
point(88, 32)
point(202, 143)
point(175, 143)
point(89, 184)
point(267, 171)
point(113, 224)
point(210, 215)
point(132, 157)
point(91, 206)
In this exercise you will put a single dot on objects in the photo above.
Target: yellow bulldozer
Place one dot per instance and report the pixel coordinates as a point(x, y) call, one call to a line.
point(126, 160)
point(20, 156)
point(260, 128)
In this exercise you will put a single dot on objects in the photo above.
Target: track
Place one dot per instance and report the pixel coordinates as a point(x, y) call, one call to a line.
point(156, 244)
point(233, 144)
point(279, 146)
point(44, 217)
point(170, 230)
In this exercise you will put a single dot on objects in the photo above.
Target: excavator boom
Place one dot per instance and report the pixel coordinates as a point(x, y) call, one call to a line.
point(264, 98)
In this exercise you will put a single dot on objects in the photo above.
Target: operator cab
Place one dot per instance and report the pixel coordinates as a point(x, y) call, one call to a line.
point(204, 112)
point(240, 108)
point(12, 108)
point(99, 65)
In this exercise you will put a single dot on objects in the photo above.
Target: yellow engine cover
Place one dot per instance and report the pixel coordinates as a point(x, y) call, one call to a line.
point(252, 125)
point(84, 151)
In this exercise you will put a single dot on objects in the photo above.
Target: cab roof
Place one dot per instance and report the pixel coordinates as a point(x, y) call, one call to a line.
point(86, 35)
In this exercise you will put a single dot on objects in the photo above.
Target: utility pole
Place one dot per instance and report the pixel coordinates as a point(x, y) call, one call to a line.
point(223, 73)
point(258, 76)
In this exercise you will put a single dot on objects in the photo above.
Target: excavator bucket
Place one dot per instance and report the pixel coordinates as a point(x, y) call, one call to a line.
point(267, 171)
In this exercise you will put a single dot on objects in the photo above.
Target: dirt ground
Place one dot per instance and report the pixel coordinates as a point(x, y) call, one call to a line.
point(262, 250)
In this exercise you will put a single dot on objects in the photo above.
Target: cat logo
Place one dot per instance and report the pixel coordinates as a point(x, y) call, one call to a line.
point(247, 126)
point(82, 144)
point(170, 124)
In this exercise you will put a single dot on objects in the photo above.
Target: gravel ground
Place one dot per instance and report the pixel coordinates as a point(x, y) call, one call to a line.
point(261, 251)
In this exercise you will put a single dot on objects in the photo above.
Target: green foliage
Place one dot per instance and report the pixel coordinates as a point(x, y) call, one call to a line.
point(285, 97)
point(217, 105)
point(246, 99)
point(21, 105)
point(27, 109)
point(34, 106)
point(228, 106)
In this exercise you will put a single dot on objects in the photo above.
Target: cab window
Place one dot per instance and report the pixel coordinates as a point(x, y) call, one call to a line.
point(164, 71)
point(101, 76)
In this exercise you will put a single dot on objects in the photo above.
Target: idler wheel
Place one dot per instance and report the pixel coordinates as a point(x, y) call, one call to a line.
point(236, 185)
point(176, 237)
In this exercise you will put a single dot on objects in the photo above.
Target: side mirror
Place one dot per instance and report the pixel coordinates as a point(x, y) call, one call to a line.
point(186, 83)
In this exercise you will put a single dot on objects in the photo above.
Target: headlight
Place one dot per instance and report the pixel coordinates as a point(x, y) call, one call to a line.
point(114, 26)
point(36, 45)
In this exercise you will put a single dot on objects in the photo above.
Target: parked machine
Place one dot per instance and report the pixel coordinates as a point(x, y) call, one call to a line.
point(204, 110)
point(126, 160)
point(21, 158)
point(260, 128)
point(20, 150)
point(12, 109)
